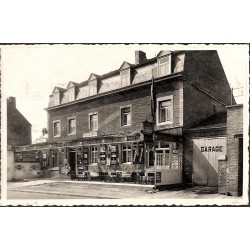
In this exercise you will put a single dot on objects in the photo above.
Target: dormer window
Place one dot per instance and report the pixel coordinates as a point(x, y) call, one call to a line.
point(57, 95)
point(164, 65)
point(125, 74)
point(56, 98)
point(92, 88)
point(92, 82)
point(125, 77)
point(71, 94)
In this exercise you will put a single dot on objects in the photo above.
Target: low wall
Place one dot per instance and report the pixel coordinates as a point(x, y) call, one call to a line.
point(10, 165)
point(25, 170)
point(167, 176)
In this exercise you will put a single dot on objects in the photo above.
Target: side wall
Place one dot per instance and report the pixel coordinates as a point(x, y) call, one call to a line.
point(204, 69)
point(198, 106)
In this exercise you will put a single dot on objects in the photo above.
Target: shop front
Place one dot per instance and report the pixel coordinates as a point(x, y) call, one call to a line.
point(137, 158)
point(165, 160)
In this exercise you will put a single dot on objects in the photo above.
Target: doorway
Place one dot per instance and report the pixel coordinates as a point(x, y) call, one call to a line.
point(206, 152)
point(72, 159)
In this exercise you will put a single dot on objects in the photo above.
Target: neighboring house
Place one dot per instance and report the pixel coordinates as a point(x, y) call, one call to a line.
point(18, 133)
point(165, 115)
point(18, 127)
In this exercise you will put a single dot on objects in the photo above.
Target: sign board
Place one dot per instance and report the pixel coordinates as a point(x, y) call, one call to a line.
point(89, 134)
point(148, 127)
point(41, 140)
point(29, 156)
point(103, 157)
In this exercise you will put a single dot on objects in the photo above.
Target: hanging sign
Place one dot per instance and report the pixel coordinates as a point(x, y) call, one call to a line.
point(103, 155)
point(138, 152)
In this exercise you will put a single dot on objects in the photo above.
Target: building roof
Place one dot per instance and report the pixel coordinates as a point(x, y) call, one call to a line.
point(60, 89)
point(213, 122)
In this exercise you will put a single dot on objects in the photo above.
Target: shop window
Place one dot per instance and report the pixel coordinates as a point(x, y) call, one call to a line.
point(53, 159)
point(164, 66)
point(94, 155)
point(71, 94)
point(125, 116)
point(164, 110)
point(57, 128)
point(126, 153)
point(125, 77)
point(162, 155)
point(72, 126)
point(93, 120)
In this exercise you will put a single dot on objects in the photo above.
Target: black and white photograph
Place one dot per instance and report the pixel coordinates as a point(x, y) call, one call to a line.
point(115, 124)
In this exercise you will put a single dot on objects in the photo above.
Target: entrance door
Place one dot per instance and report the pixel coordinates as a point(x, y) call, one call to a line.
point(206, 152)
point(72, 159)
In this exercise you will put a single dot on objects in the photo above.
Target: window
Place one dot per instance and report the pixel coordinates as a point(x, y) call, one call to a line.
point(126, 153)
point(71, 94)
point(94, 154)
point(56, 98)
point(125, 116)
point(92, 89)
point(125, 77)
point(162, 155)
point(164, 66)
point(93, 119)
point(56, 128)
point(72, 125)
point(165, 110)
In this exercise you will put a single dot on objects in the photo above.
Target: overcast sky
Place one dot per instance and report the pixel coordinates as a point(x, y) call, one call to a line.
point(31, 72)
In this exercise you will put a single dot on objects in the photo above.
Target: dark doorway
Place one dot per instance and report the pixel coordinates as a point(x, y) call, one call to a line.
point(240, 172)
point(72, 159)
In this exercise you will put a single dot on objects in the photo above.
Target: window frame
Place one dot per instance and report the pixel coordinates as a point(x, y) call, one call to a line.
point(162, 99)
point(96, 155)
point(56, 98)
point(68, 125)
point(124, 77)
point(71, 91)
point(92, 86)
point(127, 150)
point(59, 134)
point(169, 65)
point(91, 115)
point(121, 116)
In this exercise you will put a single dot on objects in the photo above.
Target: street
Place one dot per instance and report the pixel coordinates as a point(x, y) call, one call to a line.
point(67, 189)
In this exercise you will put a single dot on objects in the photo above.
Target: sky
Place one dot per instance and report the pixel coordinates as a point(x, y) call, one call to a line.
point(30, 73)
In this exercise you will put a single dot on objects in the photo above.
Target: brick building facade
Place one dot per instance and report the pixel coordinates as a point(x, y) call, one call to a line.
point(138, 117)
point(231, 168)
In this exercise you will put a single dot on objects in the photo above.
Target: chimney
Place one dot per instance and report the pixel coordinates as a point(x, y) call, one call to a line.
point(140, 57)
point(12, 101)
